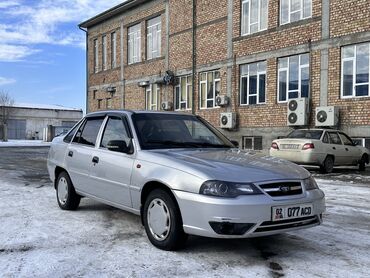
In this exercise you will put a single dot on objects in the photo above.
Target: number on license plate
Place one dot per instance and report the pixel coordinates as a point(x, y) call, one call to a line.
point(290, 212)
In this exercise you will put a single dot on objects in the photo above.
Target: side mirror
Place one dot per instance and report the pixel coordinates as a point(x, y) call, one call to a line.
point(235, 143)
point(355, 143)
point(119, 146)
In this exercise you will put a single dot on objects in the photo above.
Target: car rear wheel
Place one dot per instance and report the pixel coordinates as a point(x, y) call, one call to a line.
point(328, 165)
point(162, 221)
point(67, 197)
point(362, 163)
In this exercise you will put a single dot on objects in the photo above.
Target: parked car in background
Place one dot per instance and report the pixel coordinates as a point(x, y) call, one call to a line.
point(182, 176)
point(321, 147)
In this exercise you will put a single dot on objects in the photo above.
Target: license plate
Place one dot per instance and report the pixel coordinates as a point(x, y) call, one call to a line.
point(290, 146)
point(291, 212)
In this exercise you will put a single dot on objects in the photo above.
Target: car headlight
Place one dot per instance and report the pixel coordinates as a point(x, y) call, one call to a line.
point(227, 189)
point(310, 184)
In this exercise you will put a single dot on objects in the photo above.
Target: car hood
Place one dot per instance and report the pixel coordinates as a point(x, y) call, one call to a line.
point(230, 165)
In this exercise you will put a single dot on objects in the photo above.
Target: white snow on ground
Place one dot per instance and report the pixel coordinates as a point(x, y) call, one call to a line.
point(24, 143)
point(37, 239)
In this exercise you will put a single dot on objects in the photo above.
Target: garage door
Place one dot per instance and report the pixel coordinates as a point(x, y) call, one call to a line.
point(17, 129)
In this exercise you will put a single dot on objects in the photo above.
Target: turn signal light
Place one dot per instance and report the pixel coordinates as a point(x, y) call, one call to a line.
point(308, 146)
point(275, 146)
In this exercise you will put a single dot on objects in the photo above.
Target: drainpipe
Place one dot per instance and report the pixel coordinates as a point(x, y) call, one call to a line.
point(87, 68)
point(194, 54)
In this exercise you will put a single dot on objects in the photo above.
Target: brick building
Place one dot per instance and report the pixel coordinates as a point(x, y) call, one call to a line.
point(258, 53)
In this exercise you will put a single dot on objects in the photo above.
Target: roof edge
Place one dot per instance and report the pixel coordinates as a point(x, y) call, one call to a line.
point(126, 5)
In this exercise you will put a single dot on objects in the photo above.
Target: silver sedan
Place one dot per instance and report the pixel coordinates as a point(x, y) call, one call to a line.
point(182, 176)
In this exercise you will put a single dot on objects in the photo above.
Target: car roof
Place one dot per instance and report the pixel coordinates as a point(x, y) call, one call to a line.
point(131, 112)
point(319, 129)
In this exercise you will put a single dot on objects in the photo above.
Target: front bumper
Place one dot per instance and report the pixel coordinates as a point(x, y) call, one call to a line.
point(199, 210)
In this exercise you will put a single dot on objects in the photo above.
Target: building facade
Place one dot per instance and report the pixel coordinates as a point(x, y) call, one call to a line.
point(260, 54)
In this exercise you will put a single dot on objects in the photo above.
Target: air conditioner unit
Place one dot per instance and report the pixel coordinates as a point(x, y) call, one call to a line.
point(298, 112)
point(228, 120)
point(167, 105)
point(222, 100)
point(327, 116)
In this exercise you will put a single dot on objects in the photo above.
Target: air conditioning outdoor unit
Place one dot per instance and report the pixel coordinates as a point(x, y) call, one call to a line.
point(222, 100)
point(228, 120)
point(167, 105)
point(298, 112)
point(327, 116)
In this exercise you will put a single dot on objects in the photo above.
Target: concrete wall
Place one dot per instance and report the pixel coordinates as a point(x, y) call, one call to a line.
point(38, 119)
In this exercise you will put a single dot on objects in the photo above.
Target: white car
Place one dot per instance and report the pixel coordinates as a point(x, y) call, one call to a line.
point(321, 147)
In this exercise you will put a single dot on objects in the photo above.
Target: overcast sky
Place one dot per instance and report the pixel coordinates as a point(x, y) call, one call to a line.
point(42, 51)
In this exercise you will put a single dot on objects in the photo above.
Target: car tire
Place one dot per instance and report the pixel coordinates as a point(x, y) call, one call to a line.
point(362, 163)
point(67, 197)
point(328, 165)
point(163, 222)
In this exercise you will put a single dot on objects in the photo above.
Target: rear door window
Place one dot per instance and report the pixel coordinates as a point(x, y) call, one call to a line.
point(346, 140)
point(325, 139)
point(88, 133)
point(70, 134)
point(334, 138)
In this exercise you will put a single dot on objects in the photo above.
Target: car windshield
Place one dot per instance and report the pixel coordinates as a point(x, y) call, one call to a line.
point(305, 134)
point(166, 131)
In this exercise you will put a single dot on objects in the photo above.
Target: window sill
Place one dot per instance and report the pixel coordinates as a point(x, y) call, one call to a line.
point(146, 61)
point(355, 98)
point(252, 105)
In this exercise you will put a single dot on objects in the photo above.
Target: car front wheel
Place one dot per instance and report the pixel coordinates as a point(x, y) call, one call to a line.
point(67, 197)
point(162, 221)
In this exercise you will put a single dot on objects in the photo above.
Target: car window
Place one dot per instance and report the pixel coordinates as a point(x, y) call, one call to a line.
point(88, 133)
point(162, 131)
point(115, 130)
point(305, 134)
point(70, 134)
point(198, 132)
point(334, 138)
point(325, 139)
point(345, 139)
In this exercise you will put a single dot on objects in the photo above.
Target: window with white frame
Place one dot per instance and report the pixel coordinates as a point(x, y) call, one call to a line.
point(254, 16)
point(152, 97)
point(104, 52)
point(184, 93)
point(153, 41)
point(293, 77)
point(134, 44)
point(96, 56)
point(210, 84)
point(108, 103)
point(355, 70)
point(294, 10)
point(253, 83)
point(113, 50)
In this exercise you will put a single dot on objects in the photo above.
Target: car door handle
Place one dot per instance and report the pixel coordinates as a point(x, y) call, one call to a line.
point(334, 148)
point(70, 153)
point(95, 159)
point(347, 149)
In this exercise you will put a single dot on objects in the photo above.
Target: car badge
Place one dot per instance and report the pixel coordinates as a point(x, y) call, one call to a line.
point(284, 188)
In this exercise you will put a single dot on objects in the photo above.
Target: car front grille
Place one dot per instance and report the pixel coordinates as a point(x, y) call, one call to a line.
point(286, 224)
point(282, 188)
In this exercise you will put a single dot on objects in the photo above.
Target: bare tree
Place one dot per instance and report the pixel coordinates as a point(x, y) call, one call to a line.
point(6, 104)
